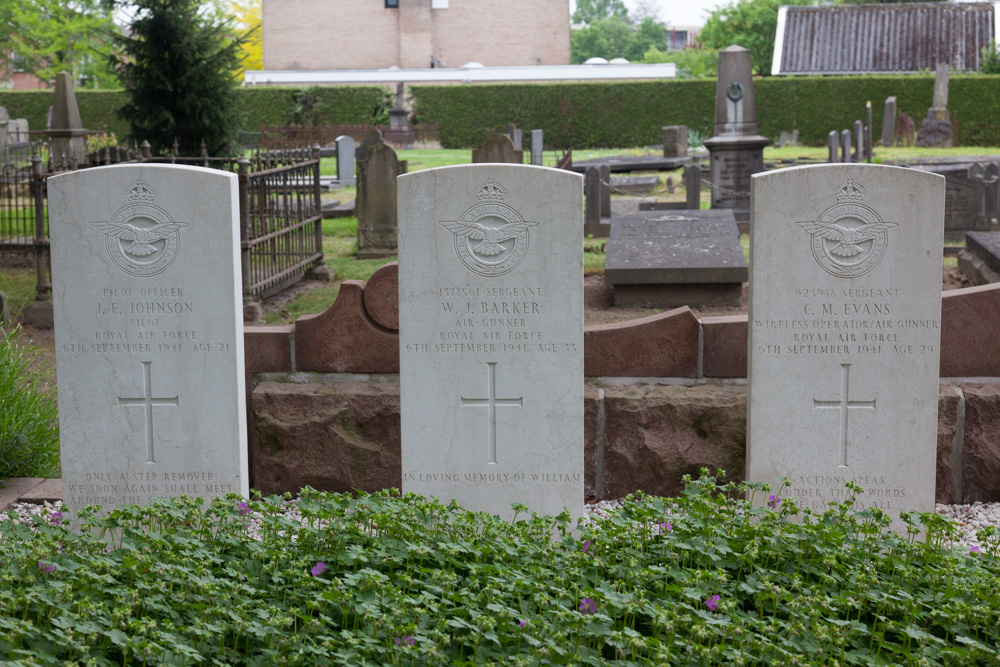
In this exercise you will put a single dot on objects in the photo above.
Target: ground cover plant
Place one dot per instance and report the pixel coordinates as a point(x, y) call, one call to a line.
point(703, 579)
point(29, 430)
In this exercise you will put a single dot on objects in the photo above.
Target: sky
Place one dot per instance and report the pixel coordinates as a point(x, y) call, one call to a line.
point(676, 12)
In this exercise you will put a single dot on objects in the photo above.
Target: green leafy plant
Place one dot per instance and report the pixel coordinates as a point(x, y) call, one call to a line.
point(724, 574)
point(29, 430)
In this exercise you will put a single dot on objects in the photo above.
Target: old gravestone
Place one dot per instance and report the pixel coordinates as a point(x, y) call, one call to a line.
point(376, 202)
point(497, 148)
point(491, 336)
point(67, 136)
point(149, 333)
point(736, 150)
point(935, 129)
point(537, 144)
point(675, 259)
point(675, 141)
point(889, 122)
point(345, 160)
point(845, 317)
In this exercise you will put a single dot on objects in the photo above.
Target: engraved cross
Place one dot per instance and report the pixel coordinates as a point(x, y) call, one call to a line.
point(844, 404)
point(492, 402)
point(148, 401)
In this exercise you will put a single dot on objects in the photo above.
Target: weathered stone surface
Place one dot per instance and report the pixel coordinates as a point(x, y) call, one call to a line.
point(948, 481)
point(332, 436)
point(657, 434)
point(675, 141)
point(663, 345)
point(14, 487)
point(268, 349)
point(970, 332)
point(982, 443)
point(497, 148)
point(48, 490)
point(376, 202)
point(724, 351)
point(344, 338)
point(382, 296)
point(593, 443)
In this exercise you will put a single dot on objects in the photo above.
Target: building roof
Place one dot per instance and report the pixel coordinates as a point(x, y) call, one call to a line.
point(901, 37)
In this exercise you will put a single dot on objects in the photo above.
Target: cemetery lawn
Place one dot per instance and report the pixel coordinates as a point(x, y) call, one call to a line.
point(704, 579)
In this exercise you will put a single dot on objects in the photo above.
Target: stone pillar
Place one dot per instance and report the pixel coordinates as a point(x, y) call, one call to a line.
point(869, 151)
point(859, 141)
point(605, 172)
point(592, 207)
point(833, 143)
point(889, 122)
point(67, 136)
point(536, 147)
point(675, 141)
point(845, 146)
point(692, 186)
point(935, 130)
point(736, 150)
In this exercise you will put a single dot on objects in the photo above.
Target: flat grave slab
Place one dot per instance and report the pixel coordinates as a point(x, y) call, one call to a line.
point(634, 185)
point(845, 329)
point(491, 336)
point(624, 163)
point(149, 334)
point(675, 259)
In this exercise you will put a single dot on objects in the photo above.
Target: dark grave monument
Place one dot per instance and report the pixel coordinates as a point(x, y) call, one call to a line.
point(376, 202)
point(592, 191)
point(605, 173)
point(980, 260)
point(675, 141)
point(889, 122)
point(935, 129)
point(736, 150)
point(675, 259)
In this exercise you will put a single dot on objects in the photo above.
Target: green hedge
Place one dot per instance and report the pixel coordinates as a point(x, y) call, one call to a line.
point(620, 114)
point(344, 105)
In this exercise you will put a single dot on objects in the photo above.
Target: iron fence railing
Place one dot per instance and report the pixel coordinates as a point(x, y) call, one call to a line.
point(279, 209)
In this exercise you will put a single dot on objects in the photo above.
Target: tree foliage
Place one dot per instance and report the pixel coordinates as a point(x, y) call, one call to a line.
point(990, 62)
point(247, 14)
point(692, 62)
point(51, 36)
point(615, 38)
point(178, 66)
point(590, 11)
point(748, 23)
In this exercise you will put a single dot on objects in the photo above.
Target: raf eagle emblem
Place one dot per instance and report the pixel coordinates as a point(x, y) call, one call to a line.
point(142, 238)
point(491, 237)
point(847, 240)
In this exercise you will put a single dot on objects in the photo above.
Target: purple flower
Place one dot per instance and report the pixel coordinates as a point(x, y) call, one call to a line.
point(974, 549)
point(522, 623)
point(773, 501)
point(665, 527)
point(243, 508)
point(586, 546)
point(588, 606)
point(47, 568)
point(712, 603)
point(56, 518)
point(318, 569)
point(405, 640)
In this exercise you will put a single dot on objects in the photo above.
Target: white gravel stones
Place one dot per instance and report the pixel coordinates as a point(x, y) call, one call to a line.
point(970, 518)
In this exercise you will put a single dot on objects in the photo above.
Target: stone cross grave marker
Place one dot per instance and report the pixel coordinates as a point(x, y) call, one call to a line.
point(491, 336)
point(149, 333)
point(845, 328)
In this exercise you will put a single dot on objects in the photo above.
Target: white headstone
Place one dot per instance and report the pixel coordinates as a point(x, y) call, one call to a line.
point(491, 336)
point(149, 333)
point(345, 159)
point(845, 328)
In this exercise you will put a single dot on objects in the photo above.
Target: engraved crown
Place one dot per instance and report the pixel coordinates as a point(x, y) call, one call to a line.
point(140, 193)
point(491, 191)
point(850, 191)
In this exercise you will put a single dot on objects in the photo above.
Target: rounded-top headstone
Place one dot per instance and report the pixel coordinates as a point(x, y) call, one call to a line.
point(382, 296)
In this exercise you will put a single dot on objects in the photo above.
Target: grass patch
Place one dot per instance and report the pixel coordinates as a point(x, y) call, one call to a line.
point(19, 286)
point(29, 428)
point(704, 579)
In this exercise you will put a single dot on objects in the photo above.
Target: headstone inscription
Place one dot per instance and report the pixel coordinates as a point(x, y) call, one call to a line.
point(736, 150)
point(376, 202)
point(149, 333)
point(491, 336)
point(845, 316)
point(497, 148)
point(345, 160)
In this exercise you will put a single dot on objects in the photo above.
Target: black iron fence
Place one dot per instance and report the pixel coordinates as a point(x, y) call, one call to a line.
point(279, 208)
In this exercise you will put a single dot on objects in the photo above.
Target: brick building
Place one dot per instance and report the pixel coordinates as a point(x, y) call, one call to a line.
point(376, 34)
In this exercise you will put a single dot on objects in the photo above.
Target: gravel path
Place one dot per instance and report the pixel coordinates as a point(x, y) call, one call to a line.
point(970, 518)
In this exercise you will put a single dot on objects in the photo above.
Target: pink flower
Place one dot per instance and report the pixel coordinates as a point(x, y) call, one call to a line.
point(773, 501)
point(47, 568)
point(318, 569)
point(522, 623)
point(974, 549)
point(405, 640)
point(56, 518)
point(665, 527)
point(588, 606)
point(713, 602)
point(243, 508)
point(586, 546)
